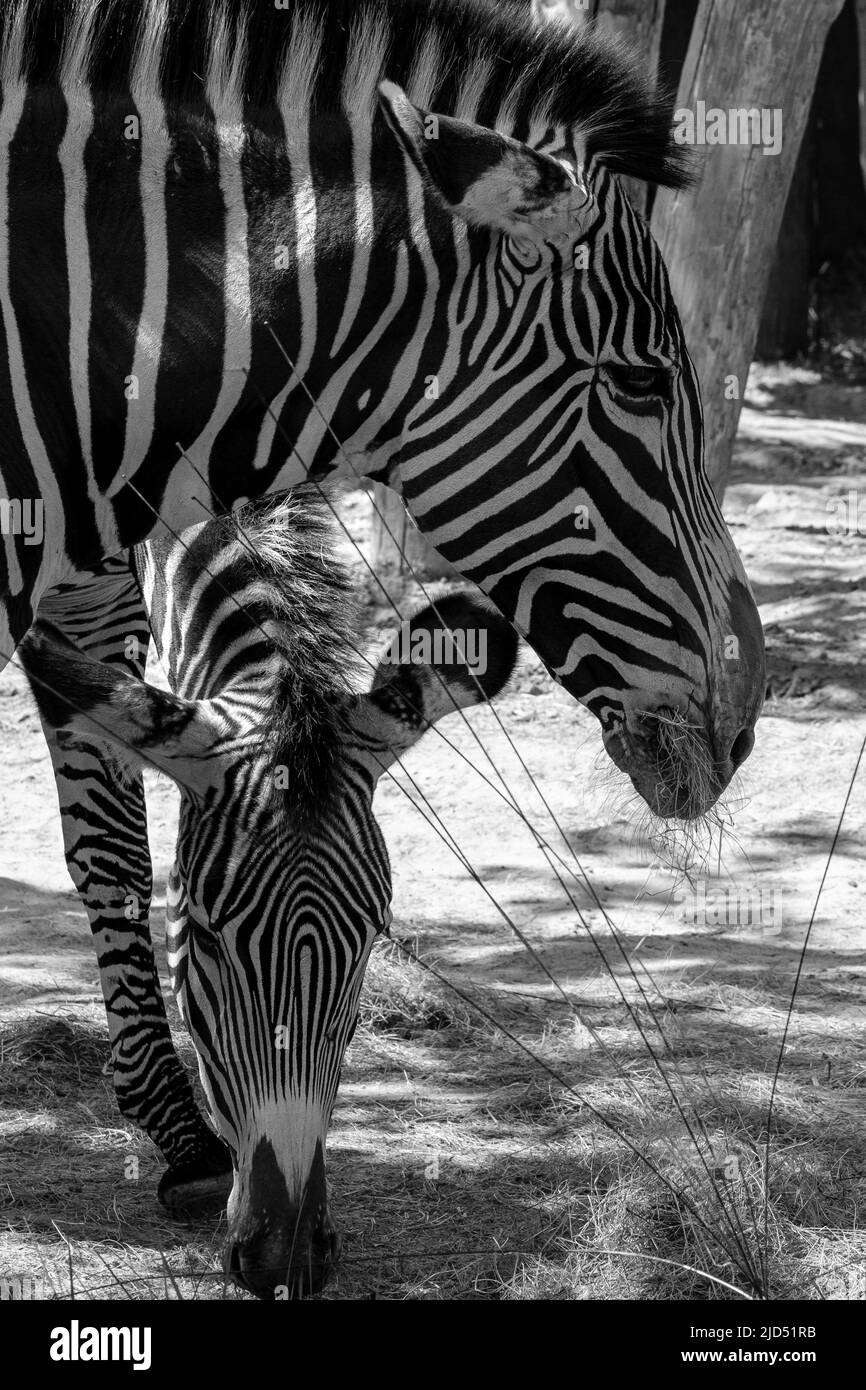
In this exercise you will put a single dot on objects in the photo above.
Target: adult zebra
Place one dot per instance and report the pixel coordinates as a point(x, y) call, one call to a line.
point(223, 224)
point(196, 198)
point(281, 879)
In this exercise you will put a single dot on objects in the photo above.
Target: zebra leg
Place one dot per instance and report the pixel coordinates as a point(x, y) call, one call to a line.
point(104, 822)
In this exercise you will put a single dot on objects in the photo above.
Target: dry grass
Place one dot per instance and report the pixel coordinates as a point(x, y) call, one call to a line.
point(461, 1167)
point(405, 1002)
point(461, 1170)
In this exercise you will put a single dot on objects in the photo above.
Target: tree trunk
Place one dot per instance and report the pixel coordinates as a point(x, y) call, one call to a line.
point(839, 189)
point(825, 215)
point(718, 240)
point(784, 326)
point(639, 22)
point(396, 544)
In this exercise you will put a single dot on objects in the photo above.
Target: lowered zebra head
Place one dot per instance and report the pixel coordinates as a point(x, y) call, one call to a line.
point(280, 886)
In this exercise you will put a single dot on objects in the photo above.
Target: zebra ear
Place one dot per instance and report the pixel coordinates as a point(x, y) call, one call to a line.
point(144, 724)
point(453, 654)
point(486, 178)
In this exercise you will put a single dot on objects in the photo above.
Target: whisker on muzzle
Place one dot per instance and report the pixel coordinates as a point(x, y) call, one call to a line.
point(689, 842)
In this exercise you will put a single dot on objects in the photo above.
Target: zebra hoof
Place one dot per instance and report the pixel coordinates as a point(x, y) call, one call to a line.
point(191, 1189)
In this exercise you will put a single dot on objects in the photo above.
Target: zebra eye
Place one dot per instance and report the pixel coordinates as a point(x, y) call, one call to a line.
point(641, 383)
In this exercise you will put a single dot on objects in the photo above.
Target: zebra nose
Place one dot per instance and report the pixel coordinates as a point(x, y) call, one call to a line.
point(280, 1247)
point(255, 1265)
point(732, 752)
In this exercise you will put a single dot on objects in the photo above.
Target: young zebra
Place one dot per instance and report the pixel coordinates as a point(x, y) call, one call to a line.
point(258, 241)
point(281, 879)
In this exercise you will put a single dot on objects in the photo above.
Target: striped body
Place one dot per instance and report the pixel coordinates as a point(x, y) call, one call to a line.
point(243, 244)
point(281, 880)
point(198, 198)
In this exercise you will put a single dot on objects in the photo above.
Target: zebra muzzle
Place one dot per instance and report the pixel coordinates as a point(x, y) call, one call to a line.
point(279, 1248)
point(667, 755)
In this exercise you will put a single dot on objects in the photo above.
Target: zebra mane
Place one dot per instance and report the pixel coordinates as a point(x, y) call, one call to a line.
point(297, 589)
point(481, 60)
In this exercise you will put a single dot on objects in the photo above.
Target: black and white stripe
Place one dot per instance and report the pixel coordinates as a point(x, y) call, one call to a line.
point(281, 880)
point(196, 194)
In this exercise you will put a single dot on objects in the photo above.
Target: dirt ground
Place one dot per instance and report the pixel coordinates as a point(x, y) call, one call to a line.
point(460, 1167)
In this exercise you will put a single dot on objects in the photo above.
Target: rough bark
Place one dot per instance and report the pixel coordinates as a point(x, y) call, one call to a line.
point(718, 240)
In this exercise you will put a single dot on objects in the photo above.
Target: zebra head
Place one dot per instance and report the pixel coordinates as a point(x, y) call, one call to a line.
point(384, 237)
point(272, 917)
point(559, 461)
point(275, 900)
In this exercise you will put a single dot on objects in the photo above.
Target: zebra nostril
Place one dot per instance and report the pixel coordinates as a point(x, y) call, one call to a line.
point(742, 746)
point(232, 1262)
